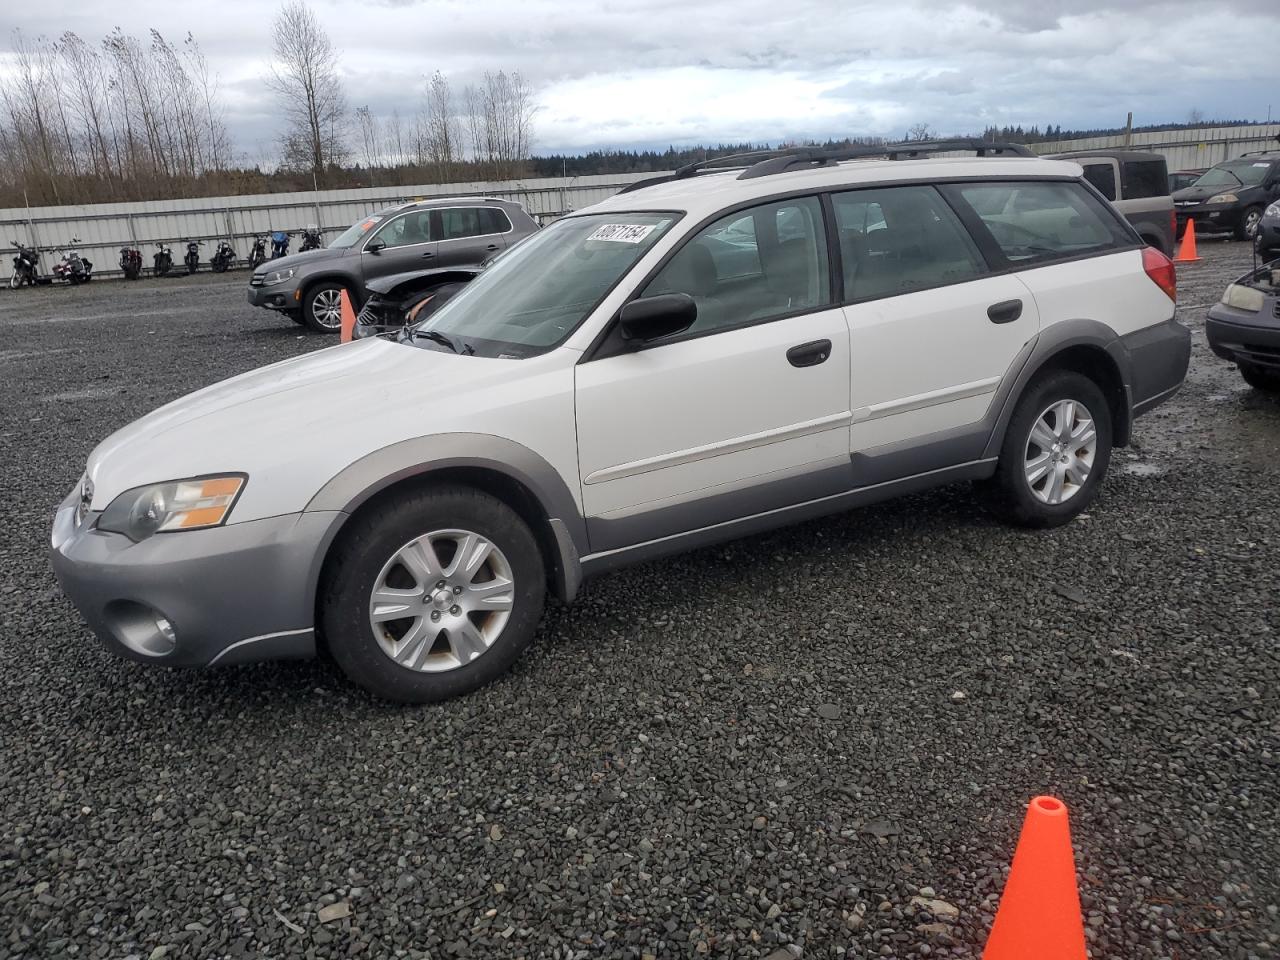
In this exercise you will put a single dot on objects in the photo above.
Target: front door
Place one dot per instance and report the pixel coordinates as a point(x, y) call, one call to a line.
point(745, 412)
point(401, 245)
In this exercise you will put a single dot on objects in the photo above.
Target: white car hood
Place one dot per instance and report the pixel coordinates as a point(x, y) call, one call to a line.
point(294, 425)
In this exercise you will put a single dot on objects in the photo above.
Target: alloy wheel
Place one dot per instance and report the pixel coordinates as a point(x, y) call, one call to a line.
point(442, 600)
point(1251, 221)
point(326, 307)
point(1060, 451)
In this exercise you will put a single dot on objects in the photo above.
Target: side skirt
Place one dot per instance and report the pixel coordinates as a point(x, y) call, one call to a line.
point(605, 561)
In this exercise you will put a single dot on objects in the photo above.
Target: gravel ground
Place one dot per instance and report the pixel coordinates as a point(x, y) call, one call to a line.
point(817, 742)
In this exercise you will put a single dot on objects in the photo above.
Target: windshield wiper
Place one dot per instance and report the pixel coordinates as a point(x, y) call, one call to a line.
point(435, 336)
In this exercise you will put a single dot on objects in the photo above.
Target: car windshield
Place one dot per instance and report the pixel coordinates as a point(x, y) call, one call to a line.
point(1244, 174)
point(534, 296)
point(351, 236)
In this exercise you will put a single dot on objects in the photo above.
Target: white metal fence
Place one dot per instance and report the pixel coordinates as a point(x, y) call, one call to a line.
point(106, 227)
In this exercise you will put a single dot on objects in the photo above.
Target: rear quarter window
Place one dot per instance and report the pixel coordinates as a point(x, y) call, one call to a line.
point(1033, 222)
point(1144, 178)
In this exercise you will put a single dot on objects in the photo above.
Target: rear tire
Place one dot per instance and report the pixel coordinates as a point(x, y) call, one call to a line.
point(321, 307)
point(380, 651)
point(1060, 435)
point(1264, 380)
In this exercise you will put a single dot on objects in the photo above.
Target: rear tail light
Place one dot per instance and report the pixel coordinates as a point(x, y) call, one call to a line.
point(1160, 269)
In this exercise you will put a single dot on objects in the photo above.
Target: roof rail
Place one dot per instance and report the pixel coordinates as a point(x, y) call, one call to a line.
point(693, 169)
point(1256, 153)
point(810, 158)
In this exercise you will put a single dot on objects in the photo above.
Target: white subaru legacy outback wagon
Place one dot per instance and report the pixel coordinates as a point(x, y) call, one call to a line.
point(735, 346)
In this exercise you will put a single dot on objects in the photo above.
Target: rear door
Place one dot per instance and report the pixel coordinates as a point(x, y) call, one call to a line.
point(467, 236)
point(404, 243)
point(932, 331)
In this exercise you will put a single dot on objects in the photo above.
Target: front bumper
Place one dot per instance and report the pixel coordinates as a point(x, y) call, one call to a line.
point(1244, 337)
point(280, 296)
point(233, 594)
point(1210, 216)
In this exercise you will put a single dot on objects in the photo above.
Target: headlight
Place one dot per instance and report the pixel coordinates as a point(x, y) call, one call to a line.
point(1216, 198)
point(1243, 298)
point(167, 507)
point(277, 276)
point(1272, 212)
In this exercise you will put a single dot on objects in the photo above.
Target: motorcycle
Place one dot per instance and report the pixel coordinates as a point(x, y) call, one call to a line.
point(192, 259)
point(280, 244)
point(25, 266)
point(131, 263)
point(259, 252)
point(223, 257)
point(310, 238)
point(162, 260)
point(73, 268)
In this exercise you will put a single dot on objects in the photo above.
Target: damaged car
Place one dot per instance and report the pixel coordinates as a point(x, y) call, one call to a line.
point(1244, 327)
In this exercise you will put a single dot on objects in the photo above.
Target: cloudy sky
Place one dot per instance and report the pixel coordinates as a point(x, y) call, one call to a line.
point(622, 73)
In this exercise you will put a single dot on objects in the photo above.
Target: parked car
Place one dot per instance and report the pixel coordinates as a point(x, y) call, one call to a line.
point(607, 392)
point(1137, 184)
point(451, 236)
point(1244, 327)
point(1268, 235)
point(1183, 178)
point(1231, 196)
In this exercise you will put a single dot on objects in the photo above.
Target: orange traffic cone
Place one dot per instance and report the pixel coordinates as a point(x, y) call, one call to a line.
point(1039, 915)
point(348, 317)
point(1187, 249)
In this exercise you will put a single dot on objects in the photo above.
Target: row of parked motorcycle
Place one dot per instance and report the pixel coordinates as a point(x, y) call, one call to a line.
point(72, 268)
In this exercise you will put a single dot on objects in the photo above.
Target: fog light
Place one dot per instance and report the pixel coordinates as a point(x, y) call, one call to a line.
point(166, 629)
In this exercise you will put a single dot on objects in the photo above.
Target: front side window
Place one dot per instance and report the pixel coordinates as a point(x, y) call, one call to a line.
point(900, 239)
point(752, 265)
point(1044, 220)
point(537, 293)
point(404, 231)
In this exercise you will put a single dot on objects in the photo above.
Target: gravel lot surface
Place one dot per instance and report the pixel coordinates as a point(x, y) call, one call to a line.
point(767, 749)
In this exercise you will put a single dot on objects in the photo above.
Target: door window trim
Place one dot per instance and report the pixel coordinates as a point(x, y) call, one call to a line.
point(404, 246)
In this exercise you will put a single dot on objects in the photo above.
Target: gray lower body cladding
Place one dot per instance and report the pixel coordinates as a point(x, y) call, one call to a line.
point(232, 594)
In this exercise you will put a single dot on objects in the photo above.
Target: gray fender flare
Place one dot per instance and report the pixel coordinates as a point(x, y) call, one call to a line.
point(1051, 341)
point(422, 456)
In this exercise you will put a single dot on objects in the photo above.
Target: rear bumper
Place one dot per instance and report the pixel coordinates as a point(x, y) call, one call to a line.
point(1158, 361)
point(1243, 337)
point(232, 594)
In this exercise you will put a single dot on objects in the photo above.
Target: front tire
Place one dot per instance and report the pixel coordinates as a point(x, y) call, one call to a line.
point(1267, 381)
point(432, 595)
point(1055, 453)
point(1247, 229)
point(322, 307)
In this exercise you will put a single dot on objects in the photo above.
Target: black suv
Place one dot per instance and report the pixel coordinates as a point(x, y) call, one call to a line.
point(445, 239)
point(1232, 195)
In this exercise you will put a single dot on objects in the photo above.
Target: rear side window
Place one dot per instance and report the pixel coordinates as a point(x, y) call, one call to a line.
point(901, 239)
point(752, 266)
point(1144, 178)
point(494, 220)
point(1041, 221)
point(1102, 176)
point(460, 222)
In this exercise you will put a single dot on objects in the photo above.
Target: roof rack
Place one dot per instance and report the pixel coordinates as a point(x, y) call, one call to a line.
point(782, 161)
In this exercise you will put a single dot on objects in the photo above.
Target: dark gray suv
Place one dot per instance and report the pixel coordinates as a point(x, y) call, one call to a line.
point(446, 238)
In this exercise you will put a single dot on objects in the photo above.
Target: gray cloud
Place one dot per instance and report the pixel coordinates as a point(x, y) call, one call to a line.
point(650, 72)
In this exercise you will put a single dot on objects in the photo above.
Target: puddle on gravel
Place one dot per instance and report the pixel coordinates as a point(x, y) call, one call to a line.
point(1139, 468)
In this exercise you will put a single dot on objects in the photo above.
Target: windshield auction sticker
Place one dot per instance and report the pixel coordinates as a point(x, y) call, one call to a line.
point(622, 232)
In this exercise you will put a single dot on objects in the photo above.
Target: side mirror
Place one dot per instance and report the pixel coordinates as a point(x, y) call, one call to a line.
point(652, 318)
point(375, 246)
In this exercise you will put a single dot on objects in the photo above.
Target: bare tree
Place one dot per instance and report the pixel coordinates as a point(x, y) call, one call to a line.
point(499, 117)
point(1195, 117)
point(368, 139)
point(920, 131)
point(305, 76)
point(443, 139)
